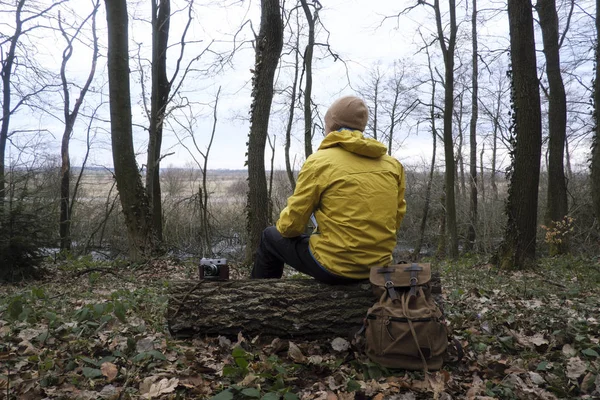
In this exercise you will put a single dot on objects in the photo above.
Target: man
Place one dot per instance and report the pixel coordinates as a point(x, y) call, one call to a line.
point(356, 193)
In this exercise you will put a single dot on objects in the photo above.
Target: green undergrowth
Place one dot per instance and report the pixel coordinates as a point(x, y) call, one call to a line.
point(97, 330)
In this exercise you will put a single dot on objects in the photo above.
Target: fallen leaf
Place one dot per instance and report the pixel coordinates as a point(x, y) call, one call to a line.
point(476, 388)
point(109, 370)
point(575, 368)
point(145, 344)
point(568, 350)
point(295, 354)
point(332, 396)
point(161, 387)
point(588, 384)
point(339, 344)
point(536, 378)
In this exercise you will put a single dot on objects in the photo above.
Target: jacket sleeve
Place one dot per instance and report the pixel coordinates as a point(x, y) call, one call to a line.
point(294, 217)
point(401, 201)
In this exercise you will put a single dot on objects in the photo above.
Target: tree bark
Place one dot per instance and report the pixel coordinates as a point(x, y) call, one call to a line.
point(159, 99)
point(268, 50)
point(557, 207)
point(271, 307)
point(518, 249)
point(472, 232)
point(595, 163)
point(133, 197)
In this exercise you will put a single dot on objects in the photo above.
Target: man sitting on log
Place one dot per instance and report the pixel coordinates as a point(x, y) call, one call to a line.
point(355, 192)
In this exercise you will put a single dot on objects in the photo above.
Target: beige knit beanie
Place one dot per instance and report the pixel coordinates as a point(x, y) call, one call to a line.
point(346, 112)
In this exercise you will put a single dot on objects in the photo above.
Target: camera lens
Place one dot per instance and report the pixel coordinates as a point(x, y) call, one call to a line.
point(211, 270)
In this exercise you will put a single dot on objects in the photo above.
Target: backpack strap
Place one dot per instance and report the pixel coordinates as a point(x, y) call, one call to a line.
point(414, 270)
point(389, 284)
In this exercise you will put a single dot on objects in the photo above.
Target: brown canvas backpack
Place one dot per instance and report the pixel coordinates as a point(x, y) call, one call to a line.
point(405, 328)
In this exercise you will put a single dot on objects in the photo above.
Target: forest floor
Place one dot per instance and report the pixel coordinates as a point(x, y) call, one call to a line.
point(97, 330)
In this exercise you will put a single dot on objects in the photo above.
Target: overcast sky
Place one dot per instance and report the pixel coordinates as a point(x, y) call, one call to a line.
point(359, 33)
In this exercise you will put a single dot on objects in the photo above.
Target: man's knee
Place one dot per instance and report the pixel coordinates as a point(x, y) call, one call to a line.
point(270, 235)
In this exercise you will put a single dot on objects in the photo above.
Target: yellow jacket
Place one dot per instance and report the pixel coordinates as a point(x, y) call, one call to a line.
point(356, 192)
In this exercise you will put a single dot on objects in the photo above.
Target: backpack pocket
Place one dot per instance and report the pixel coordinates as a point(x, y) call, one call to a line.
point(392, 342)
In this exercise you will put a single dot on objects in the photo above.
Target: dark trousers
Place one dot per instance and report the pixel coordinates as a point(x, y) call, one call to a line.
point(275, 250)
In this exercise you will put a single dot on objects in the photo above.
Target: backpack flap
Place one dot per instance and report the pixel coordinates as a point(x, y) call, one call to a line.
point(410, 276)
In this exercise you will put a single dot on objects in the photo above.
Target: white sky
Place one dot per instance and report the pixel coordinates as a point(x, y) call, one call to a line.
point(358, 35)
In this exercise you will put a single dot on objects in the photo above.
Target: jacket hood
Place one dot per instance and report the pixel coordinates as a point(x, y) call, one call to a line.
point(354, 142)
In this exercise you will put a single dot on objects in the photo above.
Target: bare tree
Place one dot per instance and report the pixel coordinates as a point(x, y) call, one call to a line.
point(448, 46)
point(8, 64)
point(70, 117)
point(595, 162)
point(557, 207)
point(269, 44)
point(288, 130)
point(134, 200)
point(311, 18)
point(518, 248)
point(433, 111)
point(472, 232)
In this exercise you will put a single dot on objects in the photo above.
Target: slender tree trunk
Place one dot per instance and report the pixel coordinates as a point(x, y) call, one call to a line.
point(161, 13)
point(472, 233)
point(557, 120)
point(268, 50)
point(7, 66)
point(288, 130)
point(448, 52)
point(133, 196)
point(308, 56)
point(376, 107)
point(427, 202)
point(595, 164)
point(70, 118)
point(518, 249)
point(270, 189)
point(495, 149)
point(393, 119)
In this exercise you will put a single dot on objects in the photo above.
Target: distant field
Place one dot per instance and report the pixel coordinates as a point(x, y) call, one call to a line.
point(175, 183)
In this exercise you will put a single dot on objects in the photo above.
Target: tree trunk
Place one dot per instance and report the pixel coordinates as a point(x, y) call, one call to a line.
point(595, 164)
point(518, 249)
point(133, 197)
point(302, 308)
point(308, 56)
point(557, 120)
point(472, 232)
point(159, 99)
point(448, 52)
point(268, 50)
point(7, 65)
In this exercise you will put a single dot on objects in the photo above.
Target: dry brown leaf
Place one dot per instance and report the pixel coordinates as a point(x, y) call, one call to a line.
point(295, 354)
point(575, 368)
point(161, 387)
point(476, 388)
point(437, 384)
point(331, 396)
point(109, 370)
point(379, 396)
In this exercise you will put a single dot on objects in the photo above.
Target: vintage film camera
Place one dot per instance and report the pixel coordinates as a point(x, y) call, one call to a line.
point(214, 269)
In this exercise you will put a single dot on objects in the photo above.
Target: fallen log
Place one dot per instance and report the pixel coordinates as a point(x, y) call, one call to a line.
point(270, 307)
